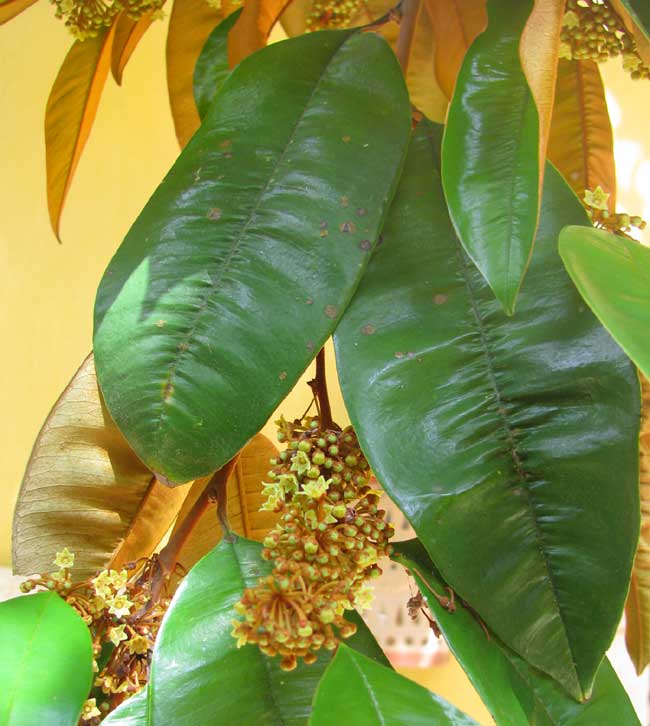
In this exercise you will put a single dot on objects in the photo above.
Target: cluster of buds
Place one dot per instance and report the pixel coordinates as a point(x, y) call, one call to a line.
point(86, 18)
point(325, 547)
point(596, 203)
point(123, 620)
point(593, 30)
point(326, 14)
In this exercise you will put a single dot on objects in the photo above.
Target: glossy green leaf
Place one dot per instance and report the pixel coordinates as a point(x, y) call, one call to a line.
point(246, 256)
point(212, 67)
point(639, 10)
point(198, 674)
point(133, 712)
point(511, 444)
point(612, 274)
point(46, 664)
point(490, 153)
point(354, 690)
point(515, 693)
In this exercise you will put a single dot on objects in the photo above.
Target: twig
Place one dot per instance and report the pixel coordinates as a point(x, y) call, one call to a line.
point(410, 10)
point(393, 15)
point(319, 387)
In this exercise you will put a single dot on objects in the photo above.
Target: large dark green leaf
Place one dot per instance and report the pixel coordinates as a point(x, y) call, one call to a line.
point(46, 664)
point(354, 690)
point(515, 693)
point(511, 444)
point(639, 10)
point(491, 153)
point(212, 67)
point(199, 676)
point(613, 276)
point(243, 261)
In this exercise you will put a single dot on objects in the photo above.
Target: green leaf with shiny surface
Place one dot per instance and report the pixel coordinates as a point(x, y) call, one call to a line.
point(133, 712)
point(640, 12)
point(246, 256)
point(515, 693)
point(511, 444)
point(355, 690)
point(46, 664)
point(212, 67)
point(612, 274)
point(199, 675)
point(490, 153)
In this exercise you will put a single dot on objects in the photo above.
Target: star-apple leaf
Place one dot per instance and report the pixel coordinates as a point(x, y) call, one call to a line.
point(70, 113)
point(85, 489)
point(128, 33)
point(511, 444)
point(515, 693)
point(198, 674)
point(637, 607)
point(46, 664)
point(356, 690)
point(11, 8)
point(244, 259)
point(212, 67)
point(612, 274)
point(253, 27)
point(581, 144)
point(190, 24)
point(490, 153)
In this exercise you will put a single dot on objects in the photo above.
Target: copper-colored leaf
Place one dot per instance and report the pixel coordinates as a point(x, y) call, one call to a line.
point(128, 34)
point(252, 29)
point(540, 43)
point(294, 18)
point(637, 607)
point(642, 42)
point(190, 23)
point(85, 489)
point(426, 95)
point(11, 8)
point(581, 144)
point(455, 24)
point(70, 113)
point(244, 501)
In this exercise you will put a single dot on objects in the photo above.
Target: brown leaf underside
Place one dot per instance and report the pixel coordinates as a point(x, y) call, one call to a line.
point(11, 8)
point(637, 607)
point(252, 29)
point(128, 34)
point(581, 143)
point(69, 115)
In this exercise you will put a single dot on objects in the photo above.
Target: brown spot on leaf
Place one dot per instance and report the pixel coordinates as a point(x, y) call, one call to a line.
point(168, 391)
point(362, 211)
point(324, 233)
point(348, 227)
point(310, 345)
point(310, 301)
point(225, 143)
point(323, 224)
point(380, 240)
point(331, 311)
point(227, 155)
point(365, 245)
point(282, 375)
point(160, 323)
point(440, 299)
point(399, 354)
point(345, 201)
point(346, 139)
point(215, 213)
point(368, 329)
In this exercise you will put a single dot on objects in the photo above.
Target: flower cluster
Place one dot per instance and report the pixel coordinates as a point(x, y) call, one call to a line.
point(332, 14)
point(592, 30)
point(123, 620)
point(325, 546)
point(86, 18)
point(597, 205)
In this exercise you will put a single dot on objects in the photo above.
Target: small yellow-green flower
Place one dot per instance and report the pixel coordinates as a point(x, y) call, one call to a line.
point(316, 489)
point(65, 558)
point(288, 483)
point(300, 463)
point(89, 710)
point(368, 557)
point(139, 644)
point(363, 597)
point(117, 634)
point(117, 579)
point(596, 199)
point(570, 20)
point(119, 606)
point(102, 584)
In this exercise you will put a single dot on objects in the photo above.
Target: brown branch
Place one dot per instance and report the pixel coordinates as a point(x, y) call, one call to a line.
point(410, 10)
point(319, 387)
point(394, 14)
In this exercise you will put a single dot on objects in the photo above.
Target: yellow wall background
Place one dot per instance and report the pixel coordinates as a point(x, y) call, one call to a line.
point(47, 290)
